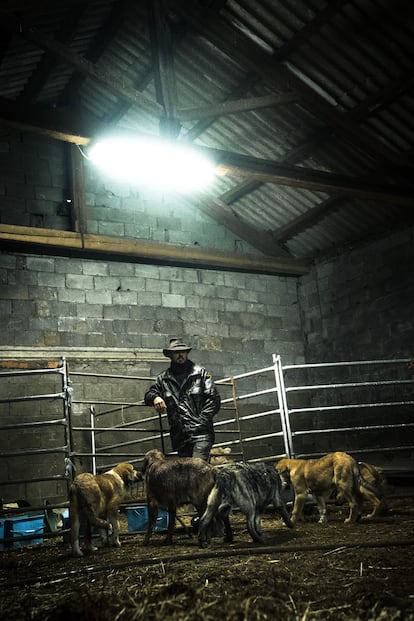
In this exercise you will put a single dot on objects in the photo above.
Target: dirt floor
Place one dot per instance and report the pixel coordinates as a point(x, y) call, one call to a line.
point(326, 572)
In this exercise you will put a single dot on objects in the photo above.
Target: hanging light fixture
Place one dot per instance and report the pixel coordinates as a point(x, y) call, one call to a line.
point(163, 164)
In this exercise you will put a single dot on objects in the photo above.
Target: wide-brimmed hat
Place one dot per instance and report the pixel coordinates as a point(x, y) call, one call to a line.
point(175, 346)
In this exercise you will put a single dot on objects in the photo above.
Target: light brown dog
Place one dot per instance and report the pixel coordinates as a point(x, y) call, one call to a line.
point(335, 473)
point(373, 487)
point(96, 498)
point(220, 455)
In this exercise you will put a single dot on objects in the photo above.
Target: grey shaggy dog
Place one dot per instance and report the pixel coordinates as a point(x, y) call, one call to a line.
point(251, 487)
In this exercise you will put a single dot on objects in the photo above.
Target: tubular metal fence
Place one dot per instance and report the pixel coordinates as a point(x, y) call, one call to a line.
point(363, 407)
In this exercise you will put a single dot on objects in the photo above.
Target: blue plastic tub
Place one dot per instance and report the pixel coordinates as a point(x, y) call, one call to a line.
point(2, 520)
point(23, 526)
point(138, 519)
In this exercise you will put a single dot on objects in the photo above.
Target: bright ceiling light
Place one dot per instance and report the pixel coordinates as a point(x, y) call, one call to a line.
point(153, 162)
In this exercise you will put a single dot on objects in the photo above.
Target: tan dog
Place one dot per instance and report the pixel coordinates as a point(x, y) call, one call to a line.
point(335, 473)
point(220, 455)
point(97, 498)
point(373, 486)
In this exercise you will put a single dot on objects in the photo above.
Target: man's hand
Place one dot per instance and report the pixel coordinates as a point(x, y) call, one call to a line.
point(159, 404)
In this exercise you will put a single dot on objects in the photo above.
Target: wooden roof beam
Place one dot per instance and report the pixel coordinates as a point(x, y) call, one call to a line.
point(255, 169)
point(234, 106)
point(100, 74)
point(22, 238)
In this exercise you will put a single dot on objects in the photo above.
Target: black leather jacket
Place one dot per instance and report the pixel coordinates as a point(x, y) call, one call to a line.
point(190, 407)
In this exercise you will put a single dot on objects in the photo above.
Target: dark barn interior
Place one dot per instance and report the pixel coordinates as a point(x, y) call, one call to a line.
point(289, 273)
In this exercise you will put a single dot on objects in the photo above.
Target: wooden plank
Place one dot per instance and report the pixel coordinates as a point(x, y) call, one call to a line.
point(268, 171)
point(55, 134)
point(234, 106)
point(77, 190)
point(48, 61)
point(100, 74)
point(222, 213)
point(163, 66)
point(113, 248)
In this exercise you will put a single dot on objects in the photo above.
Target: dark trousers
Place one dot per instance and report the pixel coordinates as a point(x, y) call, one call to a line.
point(196, 448)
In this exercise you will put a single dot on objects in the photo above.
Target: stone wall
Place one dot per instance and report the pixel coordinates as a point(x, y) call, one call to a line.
point(360, 304)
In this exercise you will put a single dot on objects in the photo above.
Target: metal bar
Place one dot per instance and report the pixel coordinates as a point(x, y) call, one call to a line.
point(58, 395)
point(134, 377)
point(283, 406)
point(60, 421)
point(234, 395)
point(234, 431)
point(138, 455)
point(56, 477)
point(350, 385)
point(345, 364)
point(383, 449)
point(96, 429)
point(249, 395)
point(61, 449)
point(83, 402)
point(350, 406)
point(245, 417)
point(137, 441)
point(113, 410)
point(93, 445)
point(52, 370)
point(242, 375)
point(67, 409)
point(277, 434)
point(148, 419)
point(362, 428)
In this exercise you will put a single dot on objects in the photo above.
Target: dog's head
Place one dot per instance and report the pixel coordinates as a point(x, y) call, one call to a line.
point(128, 473)
point(154, 456)
point(283, 470)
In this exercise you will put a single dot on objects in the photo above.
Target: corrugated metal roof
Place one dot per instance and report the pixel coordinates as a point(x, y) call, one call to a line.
point(349, 65)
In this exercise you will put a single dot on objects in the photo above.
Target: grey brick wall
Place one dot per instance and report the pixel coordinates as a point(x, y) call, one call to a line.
point(236, 325)
point(360, 305)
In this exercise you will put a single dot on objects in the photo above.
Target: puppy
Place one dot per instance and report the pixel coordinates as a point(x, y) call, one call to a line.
point(96, 498)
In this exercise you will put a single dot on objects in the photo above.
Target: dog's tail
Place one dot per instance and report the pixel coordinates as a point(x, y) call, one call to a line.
point(85, 507)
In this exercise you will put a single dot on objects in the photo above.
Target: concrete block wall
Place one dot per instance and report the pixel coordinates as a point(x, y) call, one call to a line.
point(34, 191)
point(234, 321)
point(33, 181)
point(360, 304)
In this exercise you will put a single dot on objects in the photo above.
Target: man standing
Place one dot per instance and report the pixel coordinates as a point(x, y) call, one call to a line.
point(187, 392)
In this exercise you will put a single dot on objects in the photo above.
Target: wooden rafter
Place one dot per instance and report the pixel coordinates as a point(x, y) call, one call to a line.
point(233, 106)
point(48, 61)
point(100, 42)
point(241, 49)
point(257, 169)
point(100, 74)
point(163, 66)
point(262, 240)
point(132, 250)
